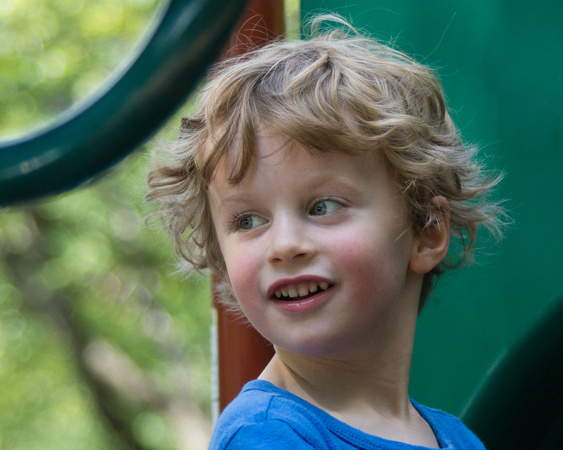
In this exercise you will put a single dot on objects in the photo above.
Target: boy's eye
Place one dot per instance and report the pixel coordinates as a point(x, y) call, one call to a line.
point(248, 222)
point(325, 207)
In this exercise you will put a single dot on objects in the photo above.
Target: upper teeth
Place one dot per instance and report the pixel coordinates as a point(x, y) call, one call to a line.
point(301, 289)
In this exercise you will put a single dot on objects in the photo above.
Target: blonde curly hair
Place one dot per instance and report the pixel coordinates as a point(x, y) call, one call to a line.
point(337, 91)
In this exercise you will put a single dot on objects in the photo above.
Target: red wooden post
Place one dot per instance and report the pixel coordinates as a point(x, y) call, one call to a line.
point(242, 353)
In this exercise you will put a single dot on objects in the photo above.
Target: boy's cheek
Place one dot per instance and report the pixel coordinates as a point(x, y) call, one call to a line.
point(364, 253)
point(242, 275)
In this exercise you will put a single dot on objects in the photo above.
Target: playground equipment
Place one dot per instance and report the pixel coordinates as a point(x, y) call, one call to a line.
point(83, 142)
point(504, 316)
point(519, 403)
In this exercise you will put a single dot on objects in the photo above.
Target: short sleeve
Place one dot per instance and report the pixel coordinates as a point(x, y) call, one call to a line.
point(269, 435)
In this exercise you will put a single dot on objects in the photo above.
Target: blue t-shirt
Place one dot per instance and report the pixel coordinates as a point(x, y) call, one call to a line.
point(264, 416)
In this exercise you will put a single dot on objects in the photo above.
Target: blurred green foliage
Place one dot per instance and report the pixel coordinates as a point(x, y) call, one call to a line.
point(99, 343)
point(55, 52)
point(102, 345)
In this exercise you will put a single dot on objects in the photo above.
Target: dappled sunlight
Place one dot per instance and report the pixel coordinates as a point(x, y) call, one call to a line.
point(89, 304)
point(53, 54)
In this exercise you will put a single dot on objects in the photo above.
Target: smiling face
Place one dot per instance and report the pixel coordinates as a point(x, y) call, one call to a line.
point(317, 249)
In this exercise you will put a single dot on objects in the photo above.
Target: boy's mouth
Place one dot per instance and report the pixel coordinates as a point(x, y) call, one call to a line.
point(300, 291)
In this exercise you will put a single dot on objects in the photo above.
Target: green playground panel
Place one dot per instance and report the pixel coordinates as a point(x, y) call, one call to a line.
point(497, 63)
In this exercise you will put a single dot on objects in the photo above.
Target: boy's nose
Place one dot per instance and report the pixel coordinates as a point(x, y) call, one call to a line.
point(290, 241)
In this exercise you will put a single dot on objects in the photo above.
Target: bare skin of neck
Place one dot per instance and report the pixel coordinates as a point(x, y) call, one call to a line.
point(358, 393)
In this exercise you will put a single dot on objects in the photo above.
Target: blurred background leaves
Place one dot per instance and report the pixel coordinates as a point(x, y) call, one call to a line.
point(101, 345)
point(53, 53)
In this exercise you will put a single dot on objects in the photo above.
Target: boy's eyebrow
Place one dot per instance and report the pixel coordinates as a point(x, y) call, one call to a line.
point(234, 198)
point(316, 183)
point(335, 182)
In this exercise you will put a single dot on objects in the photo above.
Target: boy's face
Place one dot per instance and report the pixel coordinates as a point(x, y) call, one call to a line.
point(317, 249)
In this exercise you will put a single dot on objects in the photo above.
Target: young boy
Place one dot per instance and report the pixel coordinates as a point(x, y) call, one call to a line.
point(321, 181)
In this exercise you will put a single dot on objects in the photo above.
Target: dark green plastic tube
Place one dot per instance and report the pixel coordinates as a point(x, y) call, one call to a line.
point(84, 142)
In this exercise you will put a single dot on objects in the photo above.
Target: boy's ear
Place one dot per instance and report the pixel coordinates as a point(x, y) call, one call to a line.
point(433, 241)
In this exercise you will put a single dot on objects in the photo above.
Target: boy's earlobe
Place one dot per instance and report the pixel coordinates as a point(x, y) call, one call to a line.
point(433, 242)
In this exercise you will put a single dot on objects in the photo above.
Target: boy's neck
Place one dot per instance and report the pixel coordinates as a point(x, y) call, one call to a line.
point(335, 385)
point(370, 395)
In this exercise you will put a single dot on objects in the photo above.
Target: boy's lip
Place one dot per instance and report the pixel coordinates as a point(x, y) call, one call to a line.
point(294, 281)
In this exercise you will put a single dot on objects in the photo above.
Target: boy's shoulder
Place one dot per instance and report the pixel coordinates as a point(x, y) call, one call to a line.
point(265, 416)
point(448, 429)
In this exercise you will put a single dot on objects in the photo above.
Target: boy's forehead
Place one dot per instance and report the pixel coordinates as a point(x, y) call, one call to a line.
point(276, 155)
point(268, 145)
